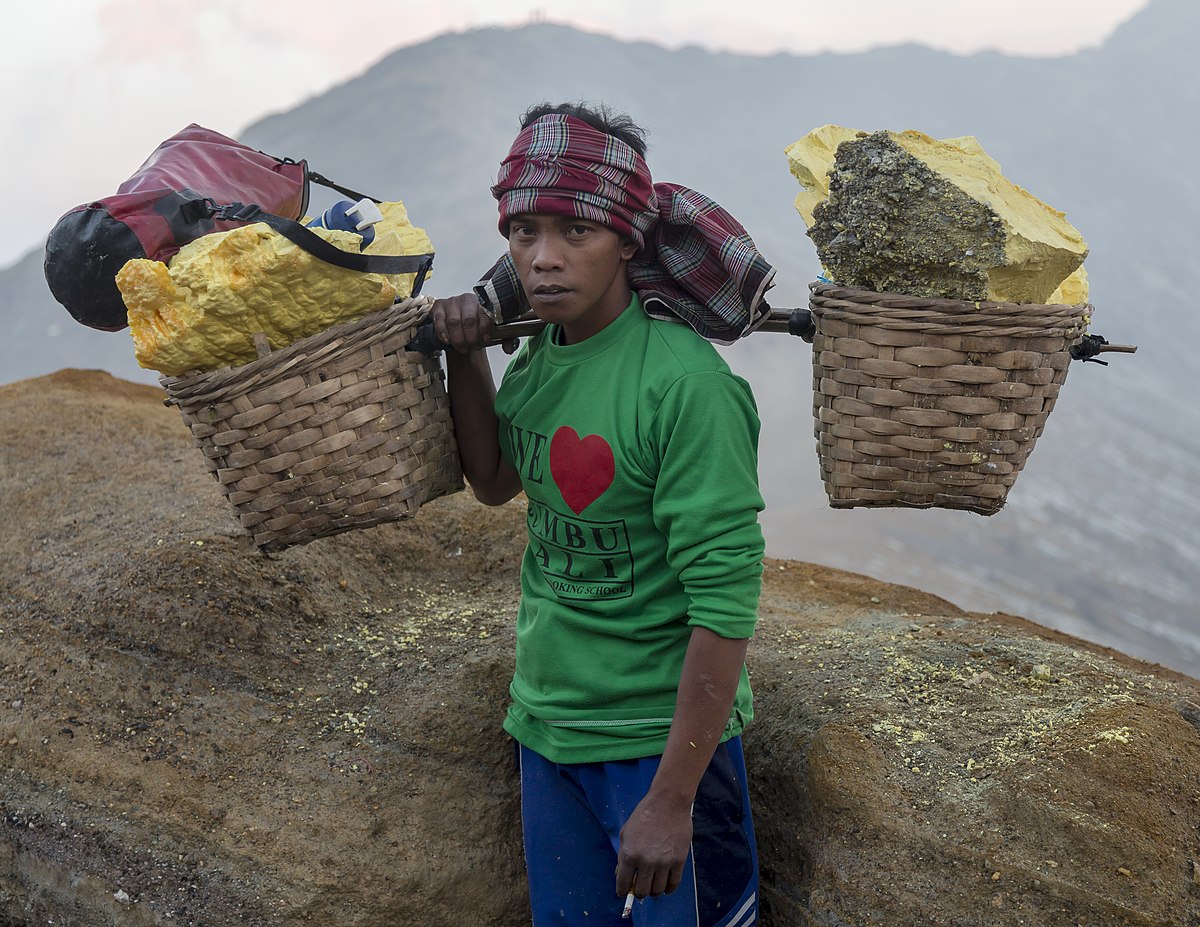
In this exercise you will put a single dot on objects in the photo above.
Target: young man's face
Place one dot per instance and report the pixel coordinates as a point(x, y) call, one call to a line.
point(572, 270)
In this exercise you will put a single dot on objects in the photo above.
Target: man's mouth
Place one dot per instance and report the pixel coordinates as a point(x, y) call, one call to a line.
point(550, 293)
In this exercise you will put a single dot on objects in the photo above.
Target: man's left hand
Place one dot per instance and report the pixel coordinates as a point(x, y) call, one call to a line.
point(655, 842)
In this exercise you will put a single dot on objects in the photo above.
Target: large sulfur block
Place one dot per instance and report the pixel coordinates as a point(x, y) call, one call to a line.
point(203, 311)
point(906, 213)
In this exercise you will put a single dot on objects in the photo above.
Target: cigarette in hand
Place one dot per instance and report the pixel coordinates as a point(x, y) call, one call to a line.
point(628, 905)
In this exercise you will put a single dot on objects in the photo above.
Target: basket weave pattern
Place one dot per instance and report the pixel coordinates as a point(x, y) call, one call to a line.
point(343, 429)
point(932, 402)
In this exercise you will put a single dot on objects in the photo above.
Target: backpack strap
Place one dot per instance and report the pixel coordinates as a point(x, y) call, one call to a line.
point(319, 248)
point(324, 181)
point(345, 191)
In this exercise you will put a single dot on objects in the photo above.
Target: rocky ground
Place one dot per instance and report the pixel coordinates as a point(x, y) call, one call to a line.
point(193, 732)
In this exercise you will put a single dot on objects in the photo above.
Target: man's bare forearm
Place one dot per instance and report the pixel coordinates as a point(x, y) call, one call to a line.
point(461, 324)
point(707, 686)
point(657, 837)
point(472, 395)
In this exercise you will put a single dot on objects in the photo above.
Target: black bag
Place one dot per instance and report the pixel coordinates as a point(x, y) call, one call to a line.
point(196, 182)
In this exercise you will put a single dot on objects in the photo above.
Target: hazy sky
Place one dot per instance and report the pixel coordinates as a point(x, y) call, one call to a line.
point(92, 86)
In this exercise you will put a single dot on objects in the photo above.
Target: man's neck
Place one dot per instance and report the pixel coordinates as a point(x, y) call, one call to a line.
point(583, 329)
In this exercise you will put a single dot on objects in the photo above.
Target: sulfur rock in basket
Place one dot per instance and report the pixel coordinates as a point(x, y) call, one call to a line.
point(905, 213)
point(202, 312)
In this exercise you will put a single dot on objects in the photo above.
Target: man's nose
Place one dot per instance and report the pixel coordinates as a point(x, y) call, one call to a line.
point(547, 253)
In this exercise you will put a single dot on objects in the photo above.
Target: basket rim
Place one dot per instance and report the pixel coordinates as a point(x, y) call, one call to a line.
point(324, 346)
point(907, 301)
point(901, 311)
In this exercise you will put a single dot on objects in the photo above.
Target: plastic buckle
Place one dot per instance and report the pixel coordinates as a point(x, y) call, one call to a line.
point(422, 272)
point(195, 211)
point(364, 213)
point(243, 213)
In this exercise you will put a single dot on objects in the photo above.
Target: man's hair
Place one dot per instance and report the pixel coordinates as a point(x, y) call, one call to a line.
point(599, 117)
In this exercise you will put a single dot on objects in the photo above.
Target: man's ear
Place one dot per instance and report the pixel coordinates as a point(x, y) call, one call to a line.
point(629, 248)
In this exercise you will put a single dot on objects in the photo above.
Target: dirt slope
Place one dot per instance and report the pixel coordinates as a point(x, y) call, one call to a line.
point(192, 732)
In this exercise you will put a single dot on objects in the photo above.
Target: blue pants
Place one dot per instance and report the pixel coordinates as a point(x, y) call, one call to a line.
point(573, 814)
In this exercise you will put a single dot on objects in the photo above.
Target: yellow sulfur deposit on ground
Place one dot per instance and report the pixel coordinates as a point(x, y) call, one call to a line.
point(202, 312)
point(903, 212)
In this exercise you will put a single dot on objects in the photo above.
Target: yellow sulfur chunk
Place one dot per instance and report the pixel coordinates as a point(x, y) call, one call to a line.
point(203, 311)
point(904, 212)
point(810, 160)
point(1073, 290)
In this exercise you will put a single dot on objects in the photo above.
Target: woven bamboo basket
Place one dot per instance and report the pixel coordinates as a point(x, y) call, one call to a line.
point(344, 429)
point(932, 402)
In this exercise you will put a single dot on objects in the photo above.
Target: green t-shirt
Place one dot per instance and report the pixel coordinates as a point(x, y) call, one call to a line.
point(637, 451)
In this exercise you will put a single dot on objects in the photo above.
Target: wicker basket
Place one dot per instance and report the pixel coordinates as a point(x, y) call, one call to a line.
point(343, 429)
point(932, 402)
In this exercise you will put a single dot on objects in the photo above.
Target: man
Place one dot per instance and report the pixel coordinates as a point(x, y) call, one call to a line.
point(636, 448)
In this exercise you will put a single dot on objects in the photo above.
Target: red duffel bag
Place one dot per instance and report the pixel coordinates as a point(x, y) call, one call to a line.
point(196, 182)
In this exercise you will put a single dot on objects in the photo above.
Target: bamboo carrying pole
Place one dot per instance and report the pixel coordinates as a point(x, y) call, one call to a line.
point(798, 322)
point(787, 321)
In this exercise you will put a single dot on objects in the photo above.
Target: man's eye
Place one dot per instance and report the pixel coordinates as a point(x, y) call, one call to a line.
point(521, 231)
point(578, 229)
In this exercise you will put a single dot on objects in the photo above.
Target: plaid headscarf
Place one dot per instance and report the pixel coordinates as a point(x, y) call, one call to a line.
point(695, 262)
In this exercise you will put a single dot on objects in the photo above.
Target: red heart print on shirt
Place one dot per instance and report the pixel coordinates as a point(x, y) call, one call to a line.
point(582, 468)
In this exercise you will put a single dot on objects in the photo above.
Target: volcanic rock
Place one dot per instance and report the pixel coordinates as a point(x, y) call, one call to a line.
point(196, 733)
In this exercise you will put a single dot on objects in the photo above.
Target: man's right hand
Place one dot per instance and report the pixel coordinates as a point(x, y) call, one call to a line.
point(461, 323)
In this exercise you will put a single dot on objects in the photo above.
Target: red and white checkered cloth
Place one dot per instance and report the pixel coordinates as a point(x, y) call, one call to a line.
point(695, 262)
